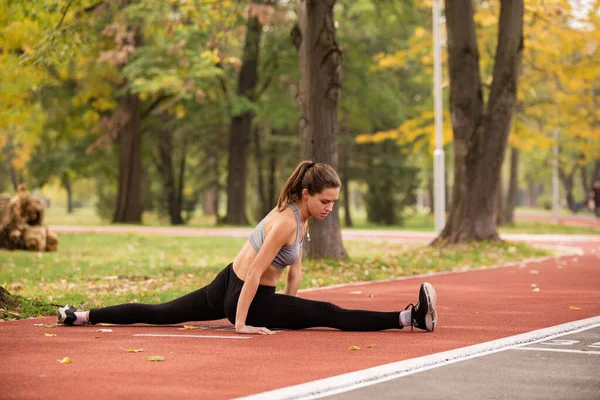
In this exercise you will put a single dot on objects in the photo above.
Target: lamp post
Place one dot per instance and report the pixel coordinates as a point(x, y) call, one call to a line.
point(439, 187)
point(555, 179)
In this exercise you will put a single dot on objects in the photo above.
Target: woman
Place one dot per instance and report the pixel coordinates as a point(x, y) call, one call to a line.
point(244, 292)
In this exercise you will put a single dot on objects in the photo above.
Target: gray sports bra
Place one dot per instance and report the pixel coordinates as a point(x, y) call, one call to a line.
point(287, 254)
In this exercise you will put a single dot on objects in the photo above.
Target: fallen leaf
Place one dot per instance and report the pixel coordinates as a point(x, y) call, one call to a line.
point(573, 308)
point(155, 358)
point(370, 295)
point(49, 334)
point(584, 350)
point(354, 348)
point(189, 327)
point(49, 326)
point(96, 337)
point(356, 292)
point(65, 360)
point(371, 346)
point(38, 324)
point(104, 330)
point(133, 350)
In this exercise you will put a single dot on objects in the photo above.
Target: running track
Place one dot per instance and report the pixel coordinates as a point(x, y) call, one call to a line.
point(474, 307)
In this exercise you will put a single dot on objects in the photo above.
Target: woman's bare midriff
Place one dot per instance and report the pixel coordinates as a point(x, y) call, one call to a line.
point(243, 261)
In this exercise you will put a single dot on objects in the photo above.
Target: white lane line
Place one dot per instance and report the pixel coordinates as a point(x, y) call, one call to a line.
point(370, 376)
point(558, 350)
point(193, 336)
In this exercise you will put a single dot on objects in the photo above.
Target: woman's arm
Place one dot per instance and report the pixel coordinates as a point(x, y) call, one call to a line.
point(294, 277)
point(275, 239)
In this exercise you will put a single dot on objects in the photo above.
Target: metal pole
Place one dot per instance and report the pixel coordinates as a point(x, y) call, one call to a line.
point(439, 186)
point(555, 180)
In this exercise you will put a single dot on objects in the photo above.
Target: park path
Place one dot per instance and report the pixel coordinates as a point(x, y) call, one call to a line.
point(213, 362)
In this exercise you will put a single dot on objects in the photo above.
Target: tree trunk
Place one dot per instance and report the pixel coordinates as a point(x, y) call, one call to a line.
point(69, 188)
point(596, 175)
point(263, 206)
point(272, 181)
point(211, 195)
point(584, 179)
point(568, 180)
point(513, 187)
point(181, 184)
point(13, 178)
point(164, 164)
point(129, 197)
point(344, 168)
point(500, 204)
point(479, 138)
point(320, 61)
point(240, 127)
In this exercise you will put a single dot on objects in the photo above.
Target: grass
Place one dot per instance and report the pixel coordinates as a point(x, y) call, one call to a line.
point(415, 222)
point(93, 270)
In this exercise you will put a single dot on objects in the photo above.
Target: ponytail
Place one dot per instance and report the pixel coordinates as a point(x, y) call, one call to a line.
point(315, 177)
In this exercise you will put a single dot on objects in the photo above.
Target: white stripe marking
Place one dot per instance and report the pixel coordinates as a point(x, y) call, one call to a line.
point(193, 336)
point(370, 376)
point(558, 350)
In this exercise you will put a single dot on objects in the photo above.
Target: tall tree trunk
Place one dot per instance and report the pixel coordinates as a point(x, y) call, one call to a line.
point(568, 180)
point(181, 182)
point(596, 175)
point(212, 193)
point(500, 204)
point(165, 167)
point(240, 127)
point(263, 206)
point(272, 181)
point(320, 61)
point(13, 178)
point(129, 197)
point(344, 168)
point(513, 187)
point(584, 179)
point(479, 138)
point(69, 188)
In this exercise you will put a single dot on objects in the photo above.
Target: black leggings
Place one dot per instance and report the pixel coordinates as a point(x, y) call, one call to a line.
point(219, 300)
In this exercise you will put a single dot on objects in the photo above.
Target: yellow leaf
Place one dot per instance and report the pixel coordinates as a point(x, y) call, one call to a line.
point(371, 346)
point(573, 308)
point(49, 326)
point(134, 350)
point(155, 358)
point(354, 348)
point(49, 334)
point(189, 327)
point(65, 360)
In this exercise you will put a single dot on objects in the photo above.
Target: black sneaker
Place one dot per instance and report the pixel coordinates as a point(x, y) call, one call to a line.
point(66, 315)
point(423, 315)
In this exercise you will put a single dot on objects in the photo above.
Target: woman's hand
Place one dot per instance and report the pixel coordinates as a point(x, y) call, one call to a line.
point(253, 330)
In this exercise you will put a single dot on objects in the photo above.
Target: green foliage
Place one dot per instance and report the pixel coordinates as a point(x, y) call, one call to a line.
point(391, 182)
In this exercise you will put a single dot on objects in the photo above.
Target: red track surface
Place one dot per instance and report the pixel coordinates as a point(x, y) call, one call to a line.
point(474, 307)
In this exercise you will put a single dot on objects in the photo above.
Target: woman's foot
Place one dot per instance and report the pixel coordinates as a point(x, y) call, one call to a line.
point(423, 314)
point(68, 315)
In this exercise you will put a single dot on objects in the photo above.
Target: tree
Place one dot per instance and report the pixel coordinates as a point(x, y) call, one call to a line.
point(480, 135)
point(320, 62)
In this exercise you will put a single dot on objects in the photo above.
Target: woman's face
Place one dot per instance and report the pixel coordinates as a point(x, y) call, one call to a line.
point(321, 204)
